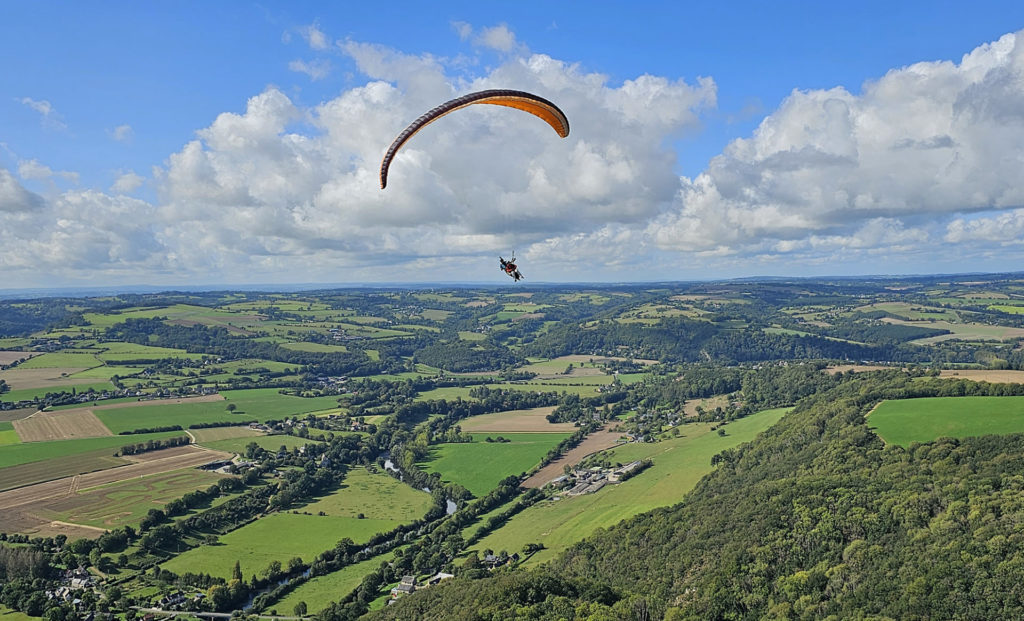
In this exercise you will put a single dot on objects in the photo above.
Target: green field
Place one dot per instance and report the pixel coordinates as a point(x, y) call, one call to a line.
point(6, 614)
point(260, 404)
point(278, 536)
point(127, 502)
point(30, 452)
point(479, 465)
point(925, 419)
point(107, 372)
point(28, 394)
point(678, 464)
point(315, 347)
point(61, 360)
point(1006, 308)
point(7, 433)
point(376, 496)
point(270, 443)
point(321, 591)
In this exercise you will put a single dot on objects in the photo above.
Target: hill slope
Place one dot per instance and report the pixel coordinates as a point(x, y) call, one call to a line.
point(817, 518)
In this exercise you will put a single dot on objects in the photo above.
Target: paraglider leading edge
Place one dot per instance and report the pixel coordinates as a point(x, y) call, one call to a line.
point(521, 100)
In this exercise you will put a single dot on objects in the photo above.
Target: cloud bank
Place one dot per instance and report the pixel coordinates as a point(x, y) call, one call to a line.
point(926, 157)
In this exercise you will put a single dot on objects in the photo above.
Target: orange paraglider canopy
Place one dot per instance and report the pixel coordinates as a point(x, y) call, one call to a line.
point(521, 100)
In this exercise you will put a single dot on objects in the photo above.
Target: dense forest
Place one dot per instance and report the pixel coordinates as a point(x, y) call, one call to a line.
point(815, 519)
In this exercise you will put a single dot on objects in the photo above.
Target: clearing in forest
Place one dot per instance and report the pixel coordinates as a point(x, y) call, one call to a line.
point(926, 419)
point(678, 464)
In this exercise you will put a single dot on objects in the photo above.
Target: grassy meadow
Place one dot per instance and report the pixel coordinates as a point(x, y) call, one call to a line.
point(479, 465)
point(278, 536)
point(678, 464)
point(260, 404)
point(376, 496)
point(925, 419)
point(321, 591)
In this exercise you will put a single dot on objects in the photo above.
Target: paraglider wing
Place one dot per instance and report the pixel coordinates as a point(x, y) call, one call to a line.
point(521, 100)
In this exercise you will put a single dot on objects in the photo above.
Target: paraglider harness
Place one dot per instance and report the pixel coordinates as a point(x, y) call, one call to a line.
point(509, 267)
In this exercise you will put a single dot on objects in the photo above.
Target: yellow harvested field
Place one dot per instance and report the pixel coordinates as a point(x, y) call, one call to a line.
point(60, 425)
point(222, 433)
point(985, 375)
point(597, 441)
point(7, 356)
point(857, 368)
point(18, 378)
point(516, 421)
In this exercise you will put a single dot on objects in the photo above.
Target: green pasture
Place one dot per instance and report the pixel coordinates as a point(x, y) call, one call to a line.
point(586, 390)
point(61, 360)
point(479, 465)
point(260, 404)
point(175, 312)
point(525, 307)
point(28, 394)
point(435, 314)
point(471, 336)
point(270, 443)
point(556, 365)
point(141, 351)
point(29, 452)
point(416, 326)
point(127, 502)
point(596, 299)
point(965, 331)
point(106, 372)
point(437, 297)
point(71, 406)
point(278, 536)
point(448, 393)
point(6, 614)
point(320, 592)
point(1006, 308)
point(632, 378)
point(678, 464)
point(377, 496)
point(576, 386)
point(14, 342)
point(923, 420)
point(315, 347)
point(7, 433)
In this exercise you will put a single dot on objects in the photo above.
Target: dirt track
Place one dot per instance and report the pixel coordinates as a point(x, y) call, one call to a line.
point(597, 441)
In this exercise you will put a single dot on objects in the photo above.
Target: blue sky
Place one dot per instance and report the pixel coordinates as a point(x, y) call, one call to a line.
point(195, 142)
